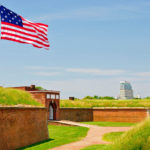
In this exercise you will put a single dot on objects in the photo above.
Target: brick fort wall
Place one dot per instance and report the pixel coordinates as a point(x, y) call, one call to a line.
point(20, 127)
point(76, 114)
point(119, 115)
point(104, 114)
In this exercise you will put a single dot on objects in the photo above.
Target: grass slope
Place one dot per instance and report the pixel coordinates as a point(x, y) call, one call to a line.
point(110, 124)
point(112, 136)
point(97, 147)
point(10, 96)
point(59, 135)
point(105, 103)
point(138, 138)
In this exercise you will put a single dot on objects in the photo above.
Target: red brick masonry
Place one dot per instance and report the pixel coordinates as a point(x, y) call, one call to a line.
point(20, 127)
point(41, 97)
point(46, 97)
point(104, 114)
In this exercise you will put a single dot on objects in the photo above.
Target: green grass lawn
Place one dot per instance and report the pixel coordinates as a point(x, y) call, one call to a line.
point(104, 103)
point(110, 124)
point(59, 135)
point(97, 147)
point(138, 138)
point(112, 136)
point(10, 97)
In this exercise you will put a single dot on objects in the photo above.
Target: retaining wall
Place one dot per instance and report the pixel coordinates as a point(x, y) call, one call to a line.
point(104, 114)
point(76, 114)
point(20, 127)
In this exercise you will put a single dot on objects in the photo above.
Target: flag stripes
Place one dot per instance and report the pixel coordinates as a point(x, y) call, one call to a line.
point(30, 33)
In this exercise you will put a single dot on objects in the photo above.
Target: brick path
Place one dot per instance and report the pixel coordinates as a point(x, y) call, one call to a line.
point(93, 137)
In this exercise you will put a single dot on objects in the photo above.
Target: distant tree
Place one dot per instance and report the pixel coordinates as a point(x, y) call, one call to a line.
point(96, 97)
point(88, 97)
point(108, 97)
point(99, 97)
point(39, 88)
point(147, 97)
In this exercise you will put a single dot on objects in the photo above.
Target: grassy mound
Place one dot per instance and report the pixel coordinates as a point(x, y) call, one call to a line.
point(86, 103)
point(10, 96)
point(97, 147)
point(137, 138)
point(110, 137)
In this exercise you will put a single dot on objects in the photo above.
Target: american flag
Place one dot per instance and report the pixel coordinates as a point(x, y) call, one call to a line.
point(15, 28)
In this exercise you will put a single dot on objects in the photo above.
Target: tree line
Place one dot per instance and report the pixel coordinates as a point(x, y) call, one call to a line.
point(99, 97)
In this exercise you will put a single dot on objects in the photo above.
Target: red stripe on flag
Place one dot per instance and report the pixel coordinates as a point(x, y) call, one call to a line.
point(21, 28)
point(42, 24)
point(34, 28)
point(31, 30)
point(21, 32)
point(33, 25)
point(19, 41)
point(25, 38)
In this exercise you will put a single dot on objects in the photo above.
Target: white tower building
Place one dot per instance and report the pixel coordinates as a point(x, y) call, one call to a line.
point(126, 91)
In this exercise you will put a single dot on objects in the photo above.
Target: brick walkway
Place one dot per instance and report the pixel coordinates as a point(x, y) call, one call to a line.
point(93, 137)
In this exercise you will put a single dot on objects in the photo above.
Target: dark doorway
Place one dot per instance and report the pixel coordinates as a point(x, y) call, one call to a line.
point(52, 111)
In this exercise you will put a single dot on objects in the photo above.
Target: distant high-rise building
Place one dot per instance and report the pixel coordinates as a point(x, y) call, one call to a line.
point(126, 91)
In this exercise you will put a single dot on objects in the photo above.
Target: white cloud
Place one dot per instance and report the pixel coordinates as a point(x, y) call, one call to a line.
point(102, 87)
point(82, 87)
point(143, 74)
point(40, 68)
point(96, 71)
point(36, 67)
point(105, 84)
point(47, 73)
point(44, 70)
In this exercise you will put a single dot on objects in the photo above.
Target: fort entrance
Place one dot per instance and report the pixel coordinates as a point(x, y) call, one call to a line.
point(52, 110)
point(49, 98)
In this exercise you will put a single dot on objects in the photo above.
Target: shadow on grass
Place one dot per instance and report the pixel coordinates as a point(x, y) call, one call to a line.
point(46, 141)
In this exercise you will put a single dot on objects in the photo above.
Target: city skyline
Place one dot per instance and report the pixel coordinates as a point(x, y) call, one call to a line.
point(94, 45)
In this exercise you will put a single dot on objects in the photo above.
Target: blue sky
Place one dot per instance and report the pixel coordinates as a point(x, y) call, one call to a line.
point(94, 45)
